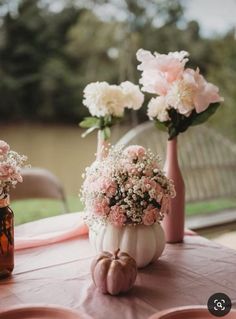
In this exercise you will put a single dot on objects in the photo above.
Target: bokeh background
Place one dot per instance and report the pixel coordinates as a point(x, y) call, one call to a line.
point(51, 49)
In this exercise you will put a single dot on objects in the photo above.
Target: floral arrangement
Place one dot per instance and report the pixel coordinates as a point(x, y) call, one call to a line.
point(10, 166)
point(106, 104)
point(184, 98)
point(126, 188)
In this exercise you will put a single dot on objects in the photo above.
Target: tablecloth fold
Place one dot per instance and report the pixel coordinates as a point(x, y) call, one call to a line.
point(55, 232)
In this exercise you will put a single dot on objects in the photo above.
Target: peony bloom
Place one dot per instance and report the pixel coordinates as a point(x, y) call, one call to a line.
point(117, 216)
point(133, 96)
point(206, 92)
point(160, 70)
point(150, 215)
point(192, 91)
point(4, 148)
point(104, 99)
point(157, 109)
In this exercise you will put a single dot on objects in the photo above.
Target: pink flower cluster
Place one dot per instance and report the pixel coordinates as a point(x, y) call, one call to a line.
point(126, 188)
point(10, 165)
point(177, 87)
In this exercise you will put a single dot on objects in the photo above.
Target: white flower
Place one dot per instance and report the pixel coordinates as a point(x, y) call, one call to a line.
point(104, 99)
point(133, 96)
point(157, 108)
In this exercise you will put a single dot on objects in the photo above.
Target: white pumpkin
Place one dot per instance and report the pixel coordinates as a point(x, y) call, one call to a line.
point(144, 243)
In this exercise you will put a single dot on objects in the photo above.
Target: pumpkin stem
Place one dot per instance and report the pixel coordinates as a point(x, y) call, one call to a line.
point(116, 253)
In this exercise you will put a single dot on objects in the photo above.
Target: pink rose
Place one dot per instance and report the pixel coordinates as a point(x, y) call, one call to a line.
point(4, 148)
point(101, 206)
point(117, 216)
point(135, 152)
point(108, 187)
point(147, 184)
point(160, 70)
point(165, 205)
point(150, 215)
point(7, 172)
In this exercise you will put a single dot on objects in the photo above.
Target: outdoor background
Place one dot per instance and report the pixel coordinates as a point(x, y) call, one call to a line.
point(51, 49)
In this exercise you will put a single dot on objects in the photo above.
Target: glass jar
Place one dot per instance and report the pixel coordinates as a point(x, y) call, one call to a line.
point(6, 238)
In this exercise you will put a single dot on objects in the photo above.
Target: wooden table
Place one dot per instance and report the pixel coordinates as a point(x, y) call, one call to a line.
point(186, 274)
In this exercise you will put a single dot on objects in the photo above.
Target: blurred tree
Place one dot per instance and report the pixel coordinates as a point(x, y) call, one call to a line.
point(48, 55)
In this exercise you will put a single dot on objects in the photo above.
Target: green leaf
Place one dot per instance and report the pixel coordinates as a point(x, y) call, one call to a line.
point(90, 122)
point(160, 125)
point(106, 133)
point(199, 118)
point(173, 132)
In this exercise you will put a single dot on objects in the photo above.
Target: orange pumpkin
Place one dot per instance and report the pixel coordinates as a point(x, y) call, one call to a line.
point(114, 273)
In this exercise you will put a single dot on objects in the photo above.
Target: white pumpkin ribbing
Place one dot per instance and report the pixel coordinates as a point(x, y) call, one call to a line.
point(144, 243)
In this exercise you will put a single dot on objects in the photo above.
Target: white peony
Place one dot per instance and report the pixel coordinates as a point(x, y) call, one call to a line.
point(103, 99)
point(157, 109)
point(133, 96)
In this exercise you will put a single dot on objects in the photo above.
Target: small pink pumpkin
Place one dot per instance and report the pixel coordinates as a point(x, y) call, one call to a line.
point(113, 273)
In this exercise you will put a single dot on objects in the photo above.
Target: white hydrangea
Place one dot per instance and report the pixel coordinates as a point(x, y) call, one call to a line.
point(133, 96)
point(104, 99)
point(157, 109)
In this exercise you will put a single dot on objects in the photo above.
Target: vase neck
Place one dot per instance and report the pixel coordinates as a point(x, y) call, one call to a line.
point(102, 146)
point(172, 152)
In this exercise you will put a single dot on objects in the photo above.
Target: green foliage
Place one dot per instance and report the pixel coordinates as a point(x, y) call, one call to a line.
point(179, 123)
point(102, 123)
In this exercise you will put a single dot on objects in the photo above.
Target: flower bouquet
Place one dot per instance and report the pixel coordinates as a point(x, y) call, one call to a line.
point(184, 98)
point(10, 166)
point(126, 196)
point(106, 104)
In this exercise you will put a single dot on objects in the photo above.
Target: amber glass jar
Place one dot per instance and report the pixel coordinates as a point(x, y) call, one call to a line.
point(6, 238)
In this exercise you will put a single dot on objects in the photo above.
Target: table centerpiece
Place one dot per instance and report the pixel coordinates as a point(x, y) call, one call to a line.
point(126, 195)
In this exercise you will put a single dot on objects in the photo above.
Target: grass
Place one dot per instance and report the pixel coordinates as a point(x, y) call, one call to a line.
point(33, 209)
point(212, 206)
point(29, 210)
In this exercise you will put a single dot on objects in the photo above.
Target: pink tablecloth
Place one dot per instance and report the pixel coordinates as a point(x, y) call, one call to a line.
point(186, 274)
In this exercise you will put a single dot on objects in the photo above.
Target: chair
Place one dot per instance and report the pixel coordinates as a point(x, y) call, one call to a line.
point(207, 159)
point(39, 183)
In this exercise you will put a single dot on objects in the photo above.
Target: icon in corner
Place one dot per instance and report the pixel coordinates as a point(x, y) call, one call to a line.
point(219, 304)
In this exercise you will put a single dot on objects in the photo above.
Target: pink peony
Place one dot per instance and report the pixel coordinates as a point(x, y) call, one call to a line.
point(206, 92)
point(4, 148)
point(117, 216)
point(160, 70)
point(134, 152)
point(192, 91)
point(101, 206)
point(150, 215)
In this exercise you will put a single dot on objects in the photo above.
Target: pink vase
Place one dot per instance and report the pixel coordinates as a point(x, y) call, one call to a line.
point(102, 146)
point(173, 222)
